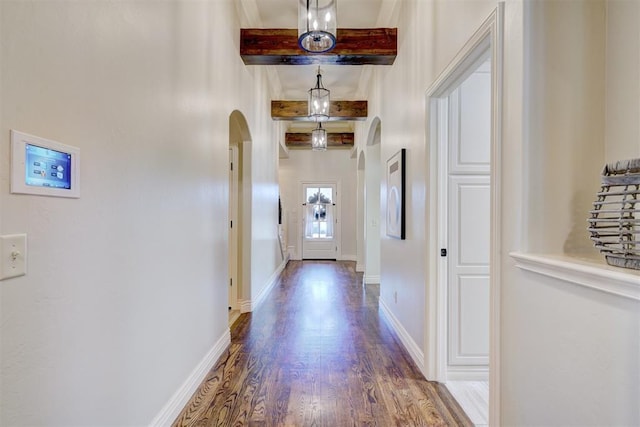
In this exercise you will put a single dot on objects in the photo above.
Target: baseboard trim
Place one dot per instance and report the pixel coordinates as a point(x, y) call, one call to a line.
point(180, 398)
point(371, 280)
point(348, 258)
point(359, 268)
point(247, 306)
point(468, 373)
point(409, 344)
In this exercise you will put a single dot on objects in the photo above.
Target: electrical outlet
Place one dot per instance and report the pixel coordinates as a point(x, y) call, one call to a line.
point(13, 256)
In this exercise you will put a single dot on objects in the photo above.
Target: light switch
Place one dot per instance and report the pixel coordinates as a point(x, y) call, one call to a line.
point(13, 256)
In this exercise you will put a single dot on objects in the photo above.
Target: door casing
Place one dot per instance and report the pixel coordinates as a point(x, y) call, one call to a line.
point(488, 37)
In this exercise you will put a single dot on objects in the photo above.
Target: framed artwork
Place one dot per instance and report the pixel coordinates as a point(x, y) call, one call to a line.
point(395, 195)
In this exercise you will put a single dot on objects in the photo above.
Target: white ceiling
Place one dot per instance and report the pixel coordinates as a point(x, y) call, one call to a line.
point(296, 80)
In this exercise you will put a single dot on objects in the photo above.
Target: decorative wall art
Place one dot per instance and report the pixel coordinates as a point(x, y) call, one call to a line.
point(614, 220)
point(395, 195)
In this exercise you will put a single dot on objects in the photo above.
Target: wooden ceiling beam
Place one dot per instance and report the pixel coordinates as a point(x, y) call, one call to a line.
point(354, 46)
point(338, 110)
point(303, 140)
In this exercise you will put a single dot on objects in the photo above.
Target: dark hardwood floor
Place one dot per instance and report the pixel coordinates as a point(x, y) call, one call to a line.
point(318, 353)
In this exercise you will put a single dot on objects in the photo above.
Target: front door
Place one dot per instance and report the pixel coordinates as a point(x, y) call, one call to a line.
point(319, 221)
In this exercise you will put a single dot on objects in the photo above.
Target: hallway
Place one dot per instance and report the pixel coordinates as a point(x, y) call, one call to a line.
point(317, 352)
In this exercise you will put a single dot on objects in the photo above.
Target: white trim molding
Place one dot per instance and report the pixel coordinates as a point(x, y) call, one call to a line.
point(409, 344)
point(467, 373)
point(371, 279)
point(180, 398)
point(581, 272)
point(247, 306)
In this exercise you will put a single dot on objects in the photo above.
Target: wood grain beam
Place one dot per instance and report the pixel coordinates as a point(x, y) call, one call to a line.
point(303, 140)
point(338, 110)
point(354, 46)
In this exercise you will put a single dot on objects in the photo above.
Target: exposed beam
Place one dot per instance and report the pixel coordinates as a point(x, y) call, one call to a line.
point(344, 140)
point(354, 46)
point(338, 110)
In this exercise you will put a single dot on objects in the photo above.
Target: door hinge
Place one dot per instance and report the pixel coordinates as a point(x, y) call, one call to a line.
point(443, 252)
point(231, 224)
point(231, 165)
point(230, 282)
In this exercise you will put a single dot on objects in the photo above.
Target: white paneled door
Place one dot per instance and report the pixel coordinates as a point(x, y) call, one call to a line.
point(468, 267)
point(468, 195)
point(319, 222)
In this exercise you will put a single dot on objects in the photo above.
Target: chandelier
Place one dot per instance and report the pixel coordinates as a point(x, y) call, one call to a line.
point(317, 25)
point(319, 101)
point(319, 139)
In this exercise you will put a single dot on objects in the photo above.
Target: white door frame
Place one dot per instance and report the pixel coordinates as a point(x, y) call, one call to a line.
point(489, 37)
point(337, 226)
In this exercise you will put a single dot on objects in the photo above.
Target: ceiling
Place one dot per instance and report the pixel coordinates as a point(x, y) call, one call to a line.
point(295, 80)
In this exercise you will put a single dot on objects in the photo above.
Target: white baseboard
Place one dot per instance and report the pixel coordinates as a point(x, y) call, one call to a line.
point(409, 344)
point(359, 268)
point(467, 373)
point(247, 306)
point(348, 258)
point(371, 280)
point(180, 398)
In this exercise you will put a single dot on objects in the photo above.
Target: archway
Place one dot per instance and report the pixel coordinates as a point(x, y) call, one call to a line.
point(239, 214)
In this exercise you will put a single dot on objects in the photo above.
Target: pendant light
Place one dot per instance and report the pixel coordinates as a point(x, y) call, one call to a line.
point(319, 139)
point(317, 25)
point(319, 101)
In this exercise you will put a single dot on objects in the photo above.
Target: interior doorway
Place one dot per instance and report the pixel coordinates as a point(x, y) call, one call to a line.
point(234, 310)
point(464, 223)
point(463, 296)
point(239, 225)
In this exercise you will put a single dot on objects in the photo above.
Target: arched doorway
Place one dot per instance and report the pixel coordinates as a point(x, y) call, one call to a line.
point(239, 213)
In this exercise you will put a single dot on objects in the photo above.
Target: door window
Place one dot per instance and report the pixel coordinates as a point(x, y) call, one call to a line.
point(319, 213)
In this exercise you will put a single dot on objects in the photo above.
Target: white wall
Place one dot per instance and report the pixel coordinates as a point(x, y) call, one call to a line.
point(126, 289)
point(333, 165)
point(372, 216)
point(622, 80)
point(557, 339)
point(566, 130)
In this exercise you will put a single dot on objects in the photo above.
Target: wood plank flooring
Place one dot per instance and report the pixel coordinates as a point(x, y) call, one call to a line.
point(318, 353)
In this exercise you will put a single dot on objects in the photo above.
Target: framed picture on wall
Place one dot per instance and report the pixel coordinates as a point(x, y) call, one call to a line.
point(395, 195)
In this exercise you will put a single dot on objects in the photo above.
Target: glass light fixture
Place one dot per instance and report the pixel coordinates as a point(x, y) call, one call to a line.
point(319, 139)
point(317, 23)
point(319, 101)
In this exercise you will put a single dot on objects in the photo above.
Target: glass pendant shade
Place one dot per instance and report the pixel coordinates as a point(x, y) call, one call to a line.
point(317, 23)
point(319, 101)
point(319, 139)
